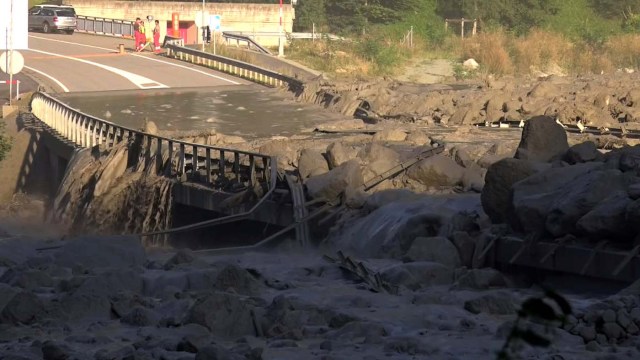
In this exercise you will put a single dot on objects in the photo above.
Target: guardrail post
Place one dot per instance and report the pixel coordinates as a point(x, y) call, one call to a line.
point(194, 162)
point(252, 170)
point(223, 165)
point(207, 160)
point(182, 165)
point(169, 168)
point(158, 155)
point(236, 165)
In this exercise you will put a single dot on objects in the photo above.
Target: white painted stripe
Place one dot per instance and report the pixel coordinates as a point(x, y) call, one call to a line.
point(64, 88)
point(143, 57)
point(137, 80)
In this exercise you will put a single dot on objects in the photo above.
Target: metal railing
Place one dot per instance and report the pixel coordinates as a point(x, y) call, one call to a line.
point(234, 67)
point(238, 37)
point(103, 26)
point(214, 166)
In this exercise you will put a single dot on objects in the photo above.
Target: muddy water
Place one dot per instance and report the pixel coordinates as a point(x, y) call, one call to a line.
point(246, 111)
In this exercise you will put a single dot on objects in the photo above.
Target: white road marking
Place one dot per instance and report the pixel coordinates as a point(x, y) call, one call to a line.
point(143, 57)
point(137, 80)
point(64, 88)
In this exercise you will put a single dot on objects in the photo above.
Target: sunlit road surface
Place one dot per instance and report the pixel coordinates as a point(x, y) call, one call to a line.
point(82, 62)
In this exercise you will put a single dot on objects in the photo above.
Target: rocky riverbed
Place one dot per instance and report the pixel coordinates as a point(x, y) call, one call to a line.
point(419, 234)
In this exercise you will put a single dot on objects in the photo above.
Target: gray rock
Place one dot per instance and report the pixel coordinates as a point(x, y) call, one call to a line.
point(86, 307)
point(534, 197)
point(634, 191)
point(498, 182)
point(311, 163)
point(542, 140)
point(394, 135)
point(23, 308)
point(498, 303)
point(337, 181)
point(608, 218)
point(28, 279)
point(632, 329)
point(54, 351)
point(139, 316)
point(120, 251)
point(583, 152)
point(632, 213)
point(409, 346)
point(481, 279)
point(378, 159)
point(612, 330)
point(338, 154)
point(183, 256)
point(609, 316)
point(635, 312)
point(112, 282)
point(623, 319)
point(437, 171)
point(466, 246)
point(6, 294)
point(581, 196)
point(435, 249)
point(593, 346)
point(473, 179)
point(285, 153)
point(233, 278)
point(418, 275)
point(588, 333)
point(231, 318)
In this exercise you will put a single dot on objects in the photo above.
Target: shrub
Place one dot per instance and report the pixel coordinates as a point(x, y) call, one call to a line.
point(624, 50)
point(490, 51)
point(5, 142)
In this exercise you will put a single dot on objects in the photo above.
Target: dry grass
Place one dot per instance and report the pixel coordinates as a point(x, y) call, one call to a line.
point(490, 50)
point(544, 51)
point(624, 50)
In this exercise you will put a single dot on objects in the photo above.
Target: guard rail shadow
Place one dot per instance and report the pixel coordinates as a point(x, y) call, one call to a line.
point(235, 67)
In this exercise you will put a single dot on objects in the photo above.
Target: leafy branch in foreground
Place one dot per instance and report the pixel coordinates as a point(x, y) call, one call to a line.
point(549, 310)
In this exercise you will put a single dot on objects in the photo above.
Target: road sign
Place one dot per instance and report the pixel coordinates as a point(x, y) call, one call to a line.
point(215, 22)
point(17, 62)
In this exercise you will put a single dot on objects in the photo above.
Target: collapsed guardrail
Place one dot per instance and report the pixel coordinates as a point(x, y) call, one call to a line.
point(205, 164)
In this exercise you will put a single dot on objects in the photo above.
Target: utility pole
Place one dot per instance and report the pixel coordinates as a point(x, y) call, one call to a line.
point(202, 25)
point(10, 44)
point(280, 40)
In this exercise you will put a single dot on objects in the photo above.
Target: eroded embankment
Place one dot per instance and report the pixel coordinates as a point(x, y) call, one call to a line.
point(113, 191)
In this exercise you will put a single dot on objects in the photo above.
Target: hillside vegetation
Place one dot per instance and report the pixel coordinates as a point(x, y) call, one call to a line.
point(514, 37)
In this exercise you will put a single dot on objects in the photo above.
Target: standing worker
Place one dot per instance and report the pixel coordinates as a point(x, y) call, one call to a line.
point(143, 36)
point(156, 36)
point(136, 33)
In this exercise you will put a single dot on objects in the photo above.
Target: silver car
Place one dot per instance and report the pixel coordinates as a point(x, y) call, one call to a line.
point(52, 18)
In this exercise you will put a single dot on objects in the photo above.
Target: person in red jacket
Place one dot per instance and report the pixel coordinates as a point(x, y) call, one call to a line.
point(136, 33)
point(156, 36)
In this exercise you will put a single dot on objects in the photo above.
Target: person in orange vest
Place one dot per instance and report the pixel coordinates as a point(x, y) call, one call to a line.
point(136, 33)
point(143, 36)
point(156, 36)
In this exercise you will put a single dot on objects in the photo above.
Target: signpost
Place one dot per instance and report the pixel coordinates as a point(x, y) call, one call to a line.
point(12, 63)
point(214, 23)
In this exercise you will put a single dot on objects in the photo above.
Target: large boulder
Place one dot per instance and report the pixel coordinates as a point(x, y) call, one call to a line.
point(282, 149)
point(436, 249)
point(224, 314)
point(119, 251)
point(542, 140)
point(418, 275)
point(23, 308)
point(378, 159)
point(338, 154)
point(393, 135)
point(500, 177)
point(331, 185)
point(583, 152)
point(608, 218)
point(581, 196)
point(311, 163)
point(437, 171)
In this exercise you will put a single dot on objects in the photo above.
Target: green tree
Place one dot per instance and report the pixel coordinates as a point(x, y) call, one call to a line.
point(515, 15)
point(309, 12)
point(615, 9)
point(345, 15)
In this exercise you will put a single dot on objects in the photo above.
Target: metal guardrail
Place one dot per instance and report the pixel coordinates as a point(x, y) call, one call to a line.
point(103, 26)
point(222, 167)
point(288, 35)
point(228, 35)
point(234, 67)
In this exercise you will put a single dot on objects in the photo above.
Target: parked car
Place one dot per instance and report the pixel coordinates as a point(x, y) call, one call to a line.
point(49, 18)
